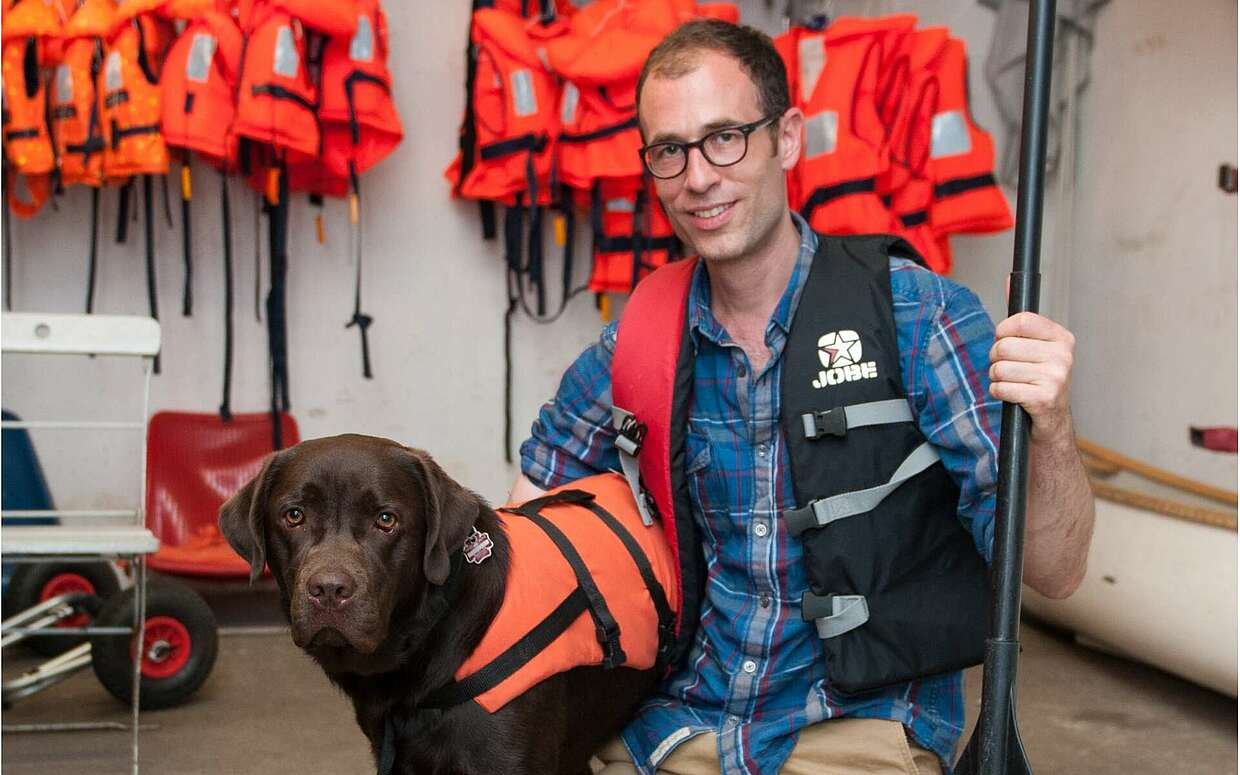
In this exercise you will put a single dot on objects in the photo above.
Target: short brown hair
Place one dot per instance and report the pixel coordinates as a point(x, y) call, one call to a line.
point(676, 55)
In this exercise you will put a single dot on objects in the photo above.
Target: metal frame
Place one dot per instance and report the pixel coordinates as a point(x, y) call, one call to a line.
point(61, 334)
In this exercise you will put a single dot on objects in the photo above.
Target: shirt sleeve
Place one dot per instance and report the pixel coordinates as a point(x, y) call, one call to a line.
point(955, 411)
point(573, 437)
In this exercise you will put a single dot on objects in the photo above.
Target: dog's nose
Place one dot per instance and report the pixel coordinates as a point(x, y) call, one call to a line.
point(330, 589)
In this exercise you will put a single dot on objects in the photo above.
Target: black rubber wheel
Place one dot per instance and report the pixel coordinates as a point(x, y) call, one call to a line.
point(32, 583)
point(179, 645)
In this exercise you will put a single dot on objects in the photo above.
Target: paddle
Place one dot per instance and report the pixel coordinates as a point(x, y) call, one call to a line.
point(995, 747)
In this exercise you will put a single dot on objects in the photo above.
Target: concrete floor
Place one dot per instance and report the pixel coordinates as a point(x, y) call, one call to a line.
point(268, 709)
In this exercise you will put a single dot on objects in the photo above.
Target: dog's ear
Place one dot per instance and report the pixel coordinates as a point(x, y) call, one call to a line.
point(241, 518)
point(449, 511)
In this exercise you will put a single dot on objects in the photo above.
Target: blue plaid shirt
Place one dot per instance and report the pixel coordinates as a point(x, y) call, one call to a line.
point(755, 675)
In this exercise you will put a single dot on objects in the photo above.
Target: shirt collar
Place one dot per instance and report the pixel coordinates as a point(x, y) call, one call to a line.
point(703, 323)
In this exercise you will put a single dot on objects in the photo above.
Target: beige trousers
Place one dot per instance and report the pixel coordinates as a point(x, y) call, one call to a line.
point(834, 747)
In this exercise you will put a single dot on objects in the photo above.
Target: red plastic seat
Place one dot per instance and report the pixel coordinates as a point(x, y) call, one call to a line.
point(195, 462)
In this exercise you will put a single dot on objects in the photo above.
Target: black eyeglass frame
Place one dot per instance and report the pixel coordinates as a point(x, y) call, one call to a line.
point(745, 129)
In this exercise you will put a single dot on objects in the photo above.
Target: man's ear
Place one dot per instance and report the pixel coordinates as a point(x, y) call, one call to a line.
point(449, 511)
point(241, 518)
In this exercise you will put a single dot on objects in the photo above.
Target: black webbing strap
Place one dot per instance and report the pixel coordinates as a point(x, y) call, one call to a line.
point(512, 259)
point(8, 256)
point(606, 629)
point(93, 265)
point(486, 212)
point(120, 133)
point(535, 239)
point(355, 129)
point(148, 212)
point(915, 218)
point(639, 235)
point(226, 402)
point(87, 149)
point(527, 142)
point(21, 134)
point(122, 211)
point(277, 331)
point(187, 291)
point(278, 92)
point(359, 319)
point(825, 194)
point(570, 230)
point(962, 185)
point(667, 617)
point(598, 134)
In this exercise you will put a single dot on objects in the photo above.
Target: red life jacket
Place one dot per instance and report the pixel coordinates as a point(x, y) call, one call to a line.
point(627, 564)
point(358, 118)
point(277, 101)
point(199, 83)
point(962, 157)
point(845, 149)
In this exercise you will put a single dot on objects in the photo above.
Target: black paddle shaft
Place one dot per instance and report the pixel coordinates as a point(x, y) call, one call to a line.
point(997, 724)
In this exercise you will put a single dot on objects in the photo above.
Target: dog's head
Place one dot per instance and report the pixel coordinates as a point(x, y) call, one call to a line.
point(353, 528)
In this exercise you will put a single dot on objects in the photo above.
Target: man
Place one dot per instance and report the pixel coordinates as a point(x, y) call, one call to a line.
point(753, 695)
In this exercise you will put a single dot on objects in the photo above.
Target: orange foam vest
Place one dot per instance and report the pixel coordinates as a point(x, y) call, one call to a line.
point(198, 85)
point(540, 579)
point(27, 145)
point(276, 102)
point(358, 118)
point(508, 151)
point(962, 157)
point(77, 125)
point(632, 235)
point(129, 94)
point(845, 144)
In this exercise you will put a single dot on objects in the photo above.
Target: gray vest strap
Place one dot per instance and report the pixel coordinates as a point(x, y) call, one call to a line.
point(825, 511)
point(834, 615)
point(841, 419)
point(628, 449)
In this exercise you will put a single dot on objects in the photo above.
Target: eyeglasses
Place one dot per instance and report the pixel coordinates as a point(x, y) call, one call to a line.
point(722, 148)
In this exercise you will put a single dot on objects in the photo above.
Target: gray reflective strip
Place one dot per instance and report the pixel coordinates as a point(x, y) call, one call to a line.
point(848, 612)
point(848, 504)
point(628, 464)
point(821, 131)
point(620, 205)
point(113, 78)
point(895, 410)
point(811, 59)
point(201, 50)
point(949, 135)
point(64, 84)
point(286, 61)
point(568, 107)
point(362, 47)
point(524, 103)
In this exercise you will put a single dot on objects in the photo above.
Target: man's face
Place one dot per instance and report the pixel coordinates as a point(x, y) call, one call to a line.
point(722, 213)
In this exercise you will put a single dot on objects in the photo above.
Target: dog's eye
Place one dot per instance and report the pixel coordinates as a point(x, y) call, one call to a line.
point(386, 520)
point(294, 517)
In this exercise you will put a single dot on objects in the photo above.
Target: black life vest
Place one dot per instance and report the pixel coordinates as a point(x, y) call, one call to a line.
point(897, 589)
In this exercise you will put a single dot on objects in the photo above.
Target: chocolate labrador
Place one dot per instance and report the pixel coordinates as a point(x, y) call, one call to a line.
point(360, 534)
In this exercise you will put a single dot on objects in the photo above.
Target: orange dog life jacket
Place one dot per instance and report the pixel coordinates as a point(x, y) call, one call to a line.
point(585, 571)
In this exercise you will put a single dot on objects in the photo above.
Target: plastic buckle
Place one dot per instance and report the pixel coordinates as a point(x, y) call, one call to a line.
point(631, 434)
point(609, 639)
point(832, 422)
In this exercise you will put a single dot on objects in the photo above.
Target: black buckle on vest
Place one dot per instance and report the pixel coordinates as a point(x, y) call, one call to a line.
point(609, 639)
point(799, 520)
point(832, 422)
point(634, 433)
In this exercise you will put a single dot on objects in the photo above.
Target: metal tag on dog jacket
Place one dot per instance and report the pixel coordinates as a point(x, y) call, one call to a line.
point(478, 547)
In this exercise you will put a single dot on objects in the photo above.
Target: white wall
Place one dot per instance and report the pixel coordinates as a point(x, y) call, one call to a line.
point(1158, 120)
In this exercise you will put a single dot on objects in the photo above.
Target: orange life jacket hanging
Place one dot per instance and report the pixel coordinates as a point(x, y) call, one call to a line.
point(128, 89)
point(76, 119)
point(962, 157)
point(27, 143)
point(632, 235)
point(845, 148)
point(277, 100)
point(358, 118)
point(198, 84)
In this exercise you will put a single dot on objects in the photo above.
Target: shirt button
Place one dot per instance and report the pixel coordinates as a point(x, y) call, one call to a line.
point(765, 601)
point(749, 666)
point(761, 450)
point(760, 530)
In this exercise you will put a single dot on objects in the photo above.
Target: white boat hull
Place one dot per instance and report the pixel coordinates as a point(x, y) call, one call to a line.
point(1159, 590)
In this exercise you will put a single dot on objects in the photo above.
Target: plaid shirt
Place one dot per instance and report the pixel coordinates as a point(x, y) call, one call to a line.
point(755, 675)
